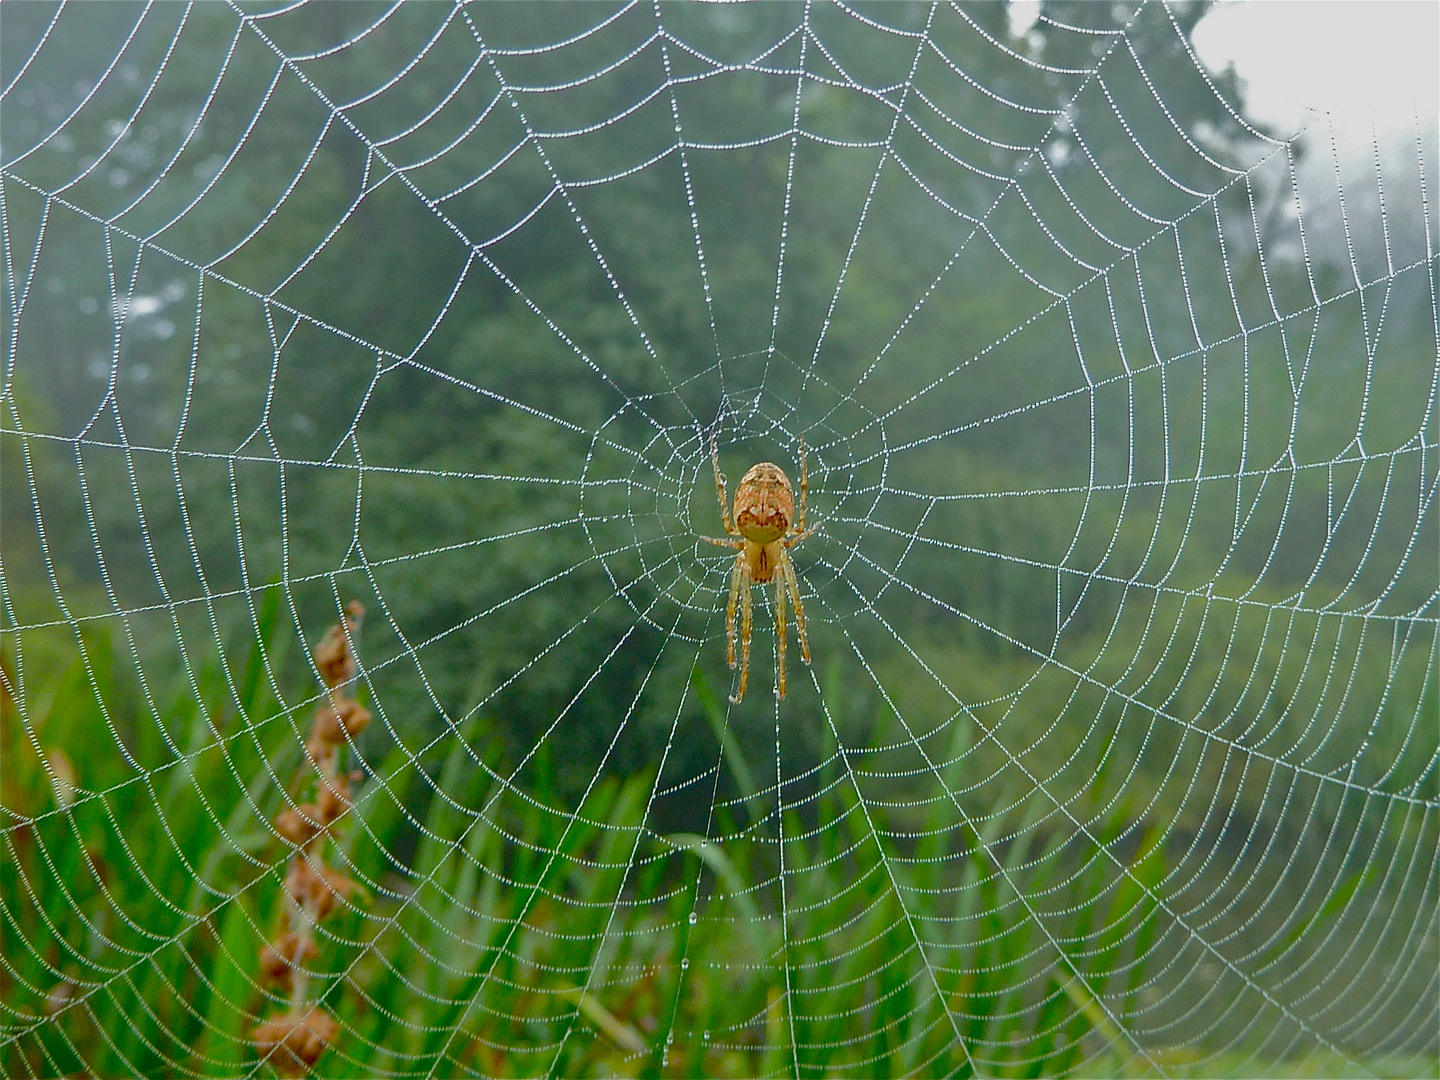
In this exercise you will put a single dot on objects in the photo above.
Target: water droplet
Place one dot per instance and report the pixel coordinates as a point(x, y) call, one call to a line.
point(684, 963)
point(694, 918)
point(707, 1034)
point(670, 1038)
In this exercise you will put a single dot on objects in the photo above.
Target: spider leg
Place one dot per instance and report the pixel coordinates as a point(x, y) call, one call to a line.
point(737, 574)
point(743, 579)
point(724, 541)
point(720, 491)
point(804, 490)
point(792, 584)
point(780, 586)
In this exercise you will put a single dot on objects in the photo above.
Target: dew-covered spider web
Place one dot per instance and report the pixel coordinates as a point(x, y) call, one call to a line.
point(1117, 753)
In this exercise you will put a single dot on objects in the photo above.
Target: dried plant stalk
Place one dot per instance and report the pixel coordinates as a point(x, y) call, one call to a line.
point(295, 1040)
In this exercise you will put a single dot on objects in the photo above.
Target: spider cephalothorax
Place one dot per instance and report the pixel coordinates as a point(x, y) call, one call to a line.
point(767, 526)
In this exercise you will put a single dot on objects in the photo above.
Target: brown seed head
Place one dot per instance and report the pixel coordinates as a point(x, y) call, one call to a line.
point(295, 1041)
point(333, 655)
point(300, 824)
point(317, 892)
point(283, 954)
point(322, 753)
point(333, 721)
point(333, 798)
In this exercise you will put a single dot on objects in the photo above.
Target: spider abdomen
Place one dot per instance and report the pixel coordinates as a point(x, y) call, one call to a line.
point(764, 505)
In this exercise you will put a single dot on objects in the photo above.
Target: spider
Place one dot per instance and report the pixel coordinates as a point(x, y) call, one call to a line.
point(767, 527)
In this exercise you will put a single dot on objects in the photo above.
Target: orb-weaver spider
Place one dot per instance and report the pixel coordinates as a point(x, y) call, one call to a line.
point(767, 527)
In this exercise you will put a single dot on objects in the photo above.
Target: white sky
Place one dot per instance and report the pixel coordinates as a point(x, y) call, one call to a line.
point(1356, 59)
point(1363, 76)
point(1353, 59)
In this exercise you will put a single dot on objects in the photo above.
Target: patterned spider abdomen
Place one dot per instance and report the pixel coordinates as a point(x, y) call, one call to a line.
point(764, 503)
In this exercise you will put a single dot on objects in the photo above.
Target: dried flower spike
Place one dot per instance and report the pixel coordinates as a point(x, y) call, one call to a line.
point(292, 1043)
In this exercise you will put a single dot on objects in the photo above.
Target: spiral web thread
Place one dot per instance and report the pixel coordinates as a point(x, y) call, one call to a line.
point(1181, 677)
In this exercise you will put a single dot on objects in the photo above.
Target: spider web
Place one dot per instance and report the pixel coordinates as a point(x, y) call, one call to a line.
point(1118, 750)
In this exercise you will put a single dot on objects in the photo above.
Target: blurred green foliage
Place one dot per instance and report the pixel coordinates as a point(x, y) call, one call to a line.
point(498, 931)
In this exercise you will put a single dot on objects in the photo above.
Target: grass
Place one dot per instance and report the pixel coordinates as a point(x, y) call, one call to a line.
point(497, 932)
